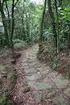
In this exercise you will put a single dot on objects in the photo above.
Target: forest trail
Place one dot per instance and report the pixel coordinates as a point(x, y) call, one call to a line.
point(37, 84)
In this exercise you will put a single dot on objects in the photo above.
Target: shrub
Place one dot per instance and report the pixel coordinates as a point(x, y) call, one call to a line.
point(5, 101)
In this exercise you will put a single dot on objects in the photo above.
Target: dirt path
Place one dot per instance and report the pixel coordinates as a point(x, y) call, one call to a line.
point(37, 84)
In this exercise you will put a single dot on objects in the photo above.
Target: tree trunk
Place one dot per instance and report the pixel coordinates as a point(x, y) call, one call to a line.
point(53, 23)
point(42, 22)
point(41, 29)
point(57, 24)
point(27, 27)
point(60, 3)
point(4, 24)
point(9, 22)
point(12, 29)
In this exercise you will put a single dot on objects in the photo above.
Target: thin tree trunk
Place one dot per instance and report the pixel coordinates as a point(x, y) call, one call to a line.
point(9, 22)
point(4, 24)
point(27, 27)
point(60, 3)
point(41, 29)
point(57, 24)
point(42, 22)
point(12, 29)
point(53, 23)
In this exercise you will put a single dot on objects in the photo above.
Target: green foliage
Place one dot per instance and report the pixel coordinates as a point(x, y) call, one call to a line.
point(64, 20)
point(27, 20)
point(65, 14)
point(66, 3)
point(18, 44)
point(5, 101)
point(55, 63)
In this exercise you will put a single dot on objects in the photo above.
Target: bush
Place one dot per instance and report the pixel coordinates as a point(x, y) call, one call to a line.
point(17, 41)
point(18, 44)
point(5, 101)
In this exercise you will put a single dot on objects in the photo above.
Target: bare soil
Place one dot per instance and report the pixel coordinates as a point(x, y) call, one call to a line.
point(37, 83)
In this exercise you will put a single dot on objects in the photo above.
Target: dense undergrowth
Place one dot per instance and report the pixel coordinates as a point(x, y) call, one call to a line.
point(59, 62)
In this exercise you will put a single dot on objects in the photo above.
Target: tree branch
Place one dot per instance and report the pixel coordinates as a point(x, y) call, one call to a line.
point(16, 3)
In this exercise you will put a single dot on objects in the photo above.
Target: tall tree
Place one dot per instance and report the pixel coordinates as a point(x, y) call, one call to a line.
point(53, 23)
point(4, 22)
point(41, 28)
point(7, 23)
point(57, 22)
point(12, 27)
